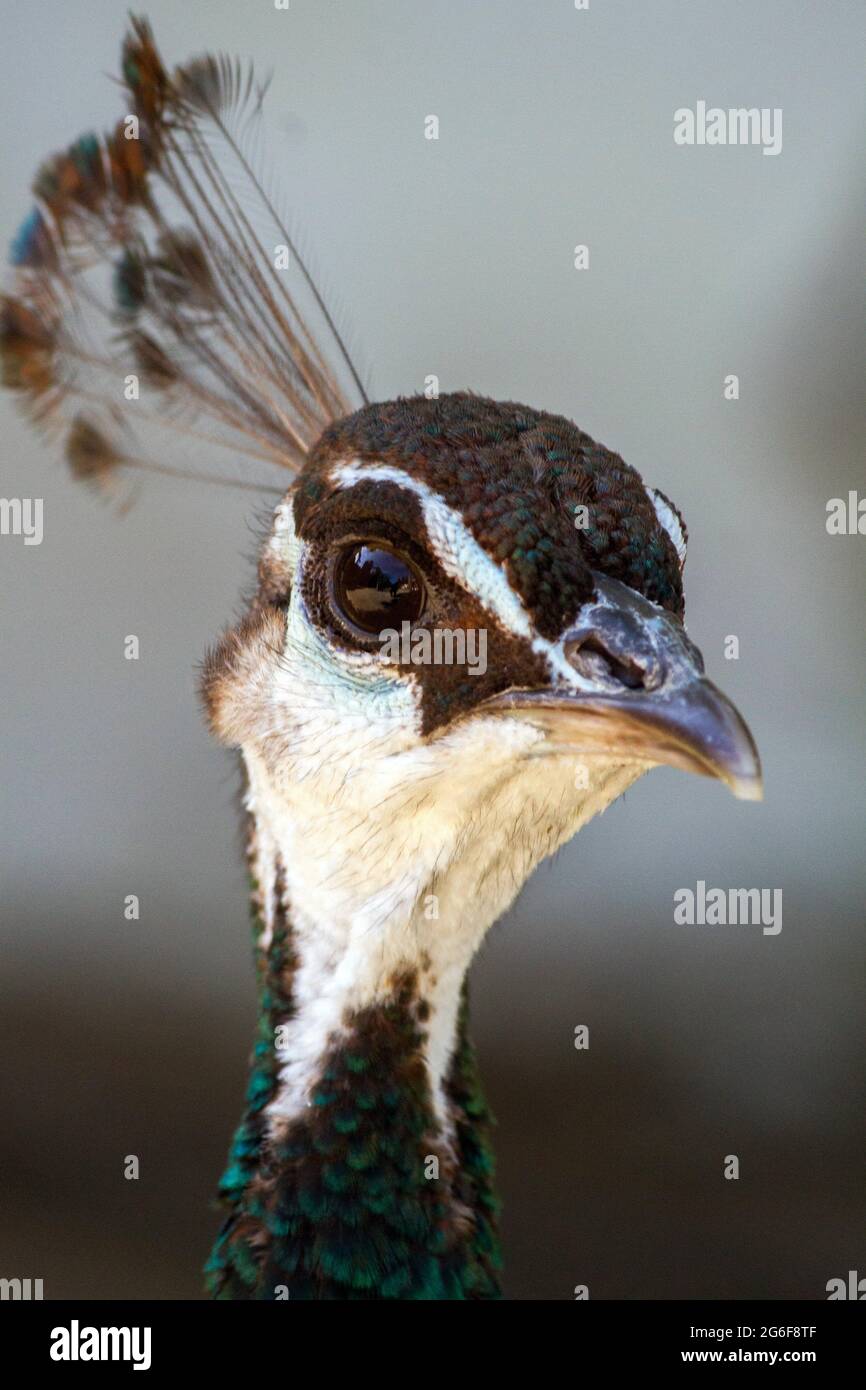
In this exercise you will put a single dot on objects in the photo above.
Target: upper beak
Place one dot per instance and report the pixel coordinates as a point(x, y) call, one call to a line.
point(639, 693)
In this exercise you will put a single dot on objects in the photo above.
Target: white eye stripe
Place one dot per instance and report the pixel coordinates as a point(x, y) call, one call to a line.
point(669, 521)
point(465, 560)
point(459, 554)
point(456, 549)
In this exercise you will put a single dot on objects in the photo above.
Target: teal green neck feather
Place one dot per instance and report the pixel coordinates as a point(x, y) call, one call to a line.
point(360, 1197)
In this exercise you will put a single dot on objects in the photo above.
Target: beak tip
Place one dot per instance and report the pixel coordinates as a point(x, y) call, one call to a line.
point(747, 788)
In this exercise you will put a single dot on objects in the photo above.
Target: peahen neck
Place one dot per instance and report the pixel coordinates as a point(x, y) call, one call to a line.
point(361, 1168)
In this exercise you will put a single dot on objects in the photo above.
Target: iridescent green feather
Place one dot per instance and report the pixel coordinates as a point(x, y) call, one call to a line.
point(342, 1207)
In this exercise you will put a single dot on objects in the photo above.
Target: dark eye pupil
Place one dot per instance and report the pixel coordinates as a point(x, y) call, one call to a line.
point(376, 589)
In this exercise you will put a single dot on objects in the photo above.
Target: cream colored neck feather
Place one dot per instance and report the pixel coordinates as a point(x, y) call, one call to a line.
point(406, 868)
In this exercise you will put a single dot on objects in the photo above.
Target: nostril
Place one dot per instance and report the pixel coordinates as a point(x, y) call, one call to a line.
point(592, 659)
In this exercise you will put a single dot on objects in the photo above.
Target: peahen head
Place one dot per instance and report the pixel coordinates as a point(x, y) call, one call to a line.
point(403, 790)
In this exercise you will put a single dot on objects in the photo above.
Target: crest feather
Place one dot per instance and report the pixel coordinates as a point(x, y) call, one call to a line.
point(110, 284)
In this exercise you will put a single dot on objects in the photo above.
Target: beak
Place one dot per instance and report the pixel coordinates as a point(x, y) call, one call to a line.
point(639, 693)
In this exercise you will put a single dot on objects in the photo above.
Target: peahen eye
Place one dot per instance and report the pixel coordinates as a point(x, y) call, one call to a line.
point(376, 589)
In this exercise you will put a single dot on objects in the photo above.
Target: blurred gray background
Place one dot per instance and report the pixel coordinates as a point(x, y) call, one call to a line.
point(455, 258)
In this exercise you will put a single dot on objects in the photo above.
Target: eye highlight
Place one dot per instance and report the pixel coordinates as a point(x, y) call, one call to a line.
point(375, 588)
